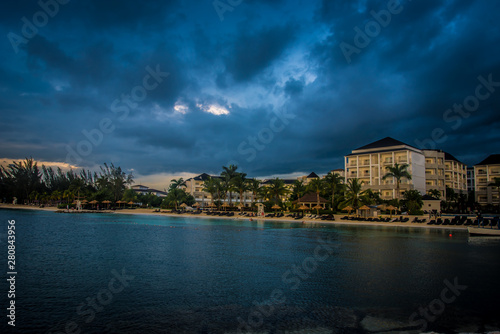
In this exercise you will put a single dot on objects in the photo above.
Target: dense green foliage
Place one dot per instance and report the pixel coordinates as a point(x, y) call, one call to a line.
point(26, 182)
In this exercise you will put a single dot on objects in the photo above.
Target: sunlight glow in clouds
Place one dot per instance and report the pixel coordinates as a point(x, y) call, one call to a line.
point(213, 109)
point(181, 109)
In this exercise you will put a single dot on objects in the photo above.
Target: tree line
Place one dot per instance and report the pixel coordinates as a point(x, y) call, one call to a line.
point(28, 183)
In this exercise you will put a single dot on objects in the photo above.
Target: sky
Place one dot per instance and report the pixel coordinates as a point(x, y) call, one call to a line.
point(177, 88)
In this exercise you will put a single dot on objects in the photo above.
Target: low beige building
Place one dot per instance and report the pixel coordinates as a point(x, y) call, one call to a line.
point(195, 185)
point(431, 204)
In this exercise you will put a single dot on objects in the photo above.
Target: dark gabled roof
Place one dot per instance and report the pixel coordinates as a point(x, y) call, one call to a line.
point(201, 177)
point(312, 176)
point(204, 177)
point(448, 156)
point(429, 198)
point(493, 159)
point(385, 142)
point(311, 198)
point(286, 181)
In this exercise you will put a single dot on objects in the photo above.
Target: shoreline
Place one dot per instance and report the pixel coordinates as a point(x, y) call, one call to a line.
point(337, 220)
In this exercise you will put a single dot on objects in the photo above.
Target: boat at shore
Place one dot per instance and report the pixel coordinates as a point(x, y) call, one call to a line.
point(481, 231)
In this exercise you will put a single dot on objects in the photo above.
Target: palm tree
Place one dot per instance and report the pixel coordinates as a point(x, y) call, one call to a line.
point(354, 196)
point(68, 195)
point(174, 195)
point(175, 191)
point(334, 181)
point(413, 200)
point(228, 174)
point(398, 172)
point(373, 196)
point(211, 187)
point(277, 189)
point(496, 184)
point(434, 193)
point(174, 184)
point(298, 190)
point(451, 196)
point(240, 184)
point(317, 186)
point(254, 187)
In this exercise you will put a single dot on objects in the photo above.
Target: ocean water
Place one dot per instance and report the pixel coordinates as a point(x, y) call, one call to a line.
point(112, 273)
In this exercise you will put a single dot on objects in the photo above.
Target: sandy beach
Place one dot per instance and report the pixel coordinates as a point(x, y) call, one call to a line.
point(338, 220)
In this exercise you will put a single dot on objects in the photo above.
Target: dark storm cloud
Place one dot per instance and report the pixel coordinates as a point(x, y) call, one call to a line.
point(255, 52)
point(228, 82)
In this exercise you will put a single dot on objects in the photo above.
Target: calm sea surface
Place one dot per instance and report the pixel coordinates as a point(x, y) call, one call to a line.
point(111, 273)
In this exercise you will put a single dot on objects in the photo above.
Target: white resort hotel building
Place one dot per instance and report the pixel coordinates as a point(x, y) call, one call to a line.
point(368, 163)
point(430, 169)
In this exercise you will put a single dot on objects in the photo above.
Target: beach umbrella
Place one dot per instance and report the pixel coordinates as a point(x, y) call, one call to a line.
point(130, 203)
point(196, 204)
point(364, 208)
point(94, 202)
point(390, 208)
point(275, 207)
point(225, 205)
point(107, 203)
point(317, 207)
point(349, 209)
point(240, 206)
point(183, 205)
point(303, 208)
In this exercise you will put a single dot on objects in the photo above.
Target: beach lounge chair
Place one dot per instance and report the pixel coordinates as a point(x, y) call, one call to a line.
point(432, 222)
